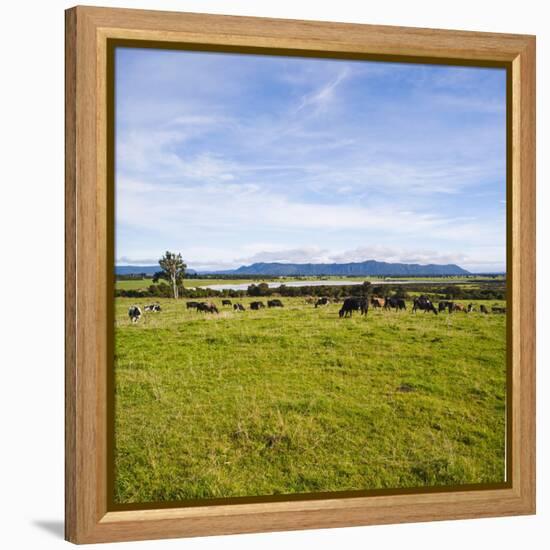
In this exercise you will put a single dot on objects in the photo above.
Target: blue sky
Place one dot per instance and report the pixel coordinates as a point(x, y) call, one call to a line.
point(233, 159)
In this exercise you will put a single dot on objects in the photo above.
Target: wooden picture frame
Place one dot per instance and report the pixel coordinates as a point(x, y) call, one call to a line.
point(90, 33)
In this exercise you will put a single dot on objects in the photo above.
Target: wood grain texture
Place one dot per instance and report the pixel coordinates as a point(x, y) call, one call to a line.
point(70, 274)
point(524, 145)
point(88, 268)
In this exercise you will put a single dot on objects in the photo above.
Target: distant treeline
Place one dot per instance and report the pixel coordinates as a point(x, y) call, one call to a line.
point(484, 291)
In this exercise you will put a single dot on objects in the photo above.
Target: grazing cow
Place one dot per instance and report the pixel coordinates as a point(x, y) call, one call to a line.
point(134, 313)
point(152, 307)
point(498, 309)
point(226, 302)
point(423, 303)
point(471, 308)
point(322, 302)
point(192, 305)
point(274, 303)
point(459, 307)
point(207, 308)
point(396, 303)
point(256, 305)
point(354, 304)
point(442, 306)
point(483, 309)
point(238, 307)
point(401, 305)
point(377, 302)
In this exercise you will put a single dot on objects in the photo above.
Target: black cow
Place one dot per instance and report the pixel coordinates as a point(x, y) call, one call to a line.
point(226, 302)
point(423, 303)
point(152, 307)
point(207, 308)
point(238, 307)
point(256, 305)
point(134, 313)
point(396, 303)
point(192, 305)
point(274, 303)
point(483, 309)
point(354, 304)
point(442, 306)
point(322, 302)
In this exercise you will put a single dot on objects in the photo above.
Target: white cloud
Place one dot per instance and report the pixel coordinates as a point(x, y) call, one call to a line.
point(125, 260)
point(240, 205)
point(319, 99)
point(198, 214)
point(155, 154)
point(213, 259)
point(294, 255)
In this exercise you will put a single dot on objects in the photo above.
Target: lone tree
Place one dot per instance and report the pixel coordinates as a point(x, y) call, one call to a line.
point(173, 270)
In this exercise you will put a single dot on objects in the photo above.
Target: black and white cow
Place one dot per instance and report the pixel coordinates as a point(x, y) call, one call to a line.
point(134, 313)
point(152, 307)
point(423, 303)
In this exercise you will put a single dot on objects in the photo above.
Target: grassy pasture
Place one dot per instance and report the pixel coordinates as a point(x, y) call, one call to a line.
point(297, 400)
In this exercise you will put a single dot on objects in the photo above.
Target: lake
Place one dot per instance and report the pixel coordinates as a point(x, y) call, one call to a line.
point(275, 284)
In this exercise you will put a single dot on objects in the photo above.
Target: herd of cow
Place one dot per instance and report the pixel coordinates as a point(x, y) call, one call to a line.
point(349, 305)
point(134, 312)
point(422, 303)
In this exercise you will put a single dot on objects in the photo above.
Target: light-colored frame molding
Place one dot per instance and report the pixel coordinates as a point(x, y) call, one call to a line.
point(87, 30)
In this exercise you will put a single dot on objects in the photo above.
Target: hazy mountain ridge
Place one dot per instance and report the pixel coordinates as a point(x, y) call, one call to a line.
point(369, 267)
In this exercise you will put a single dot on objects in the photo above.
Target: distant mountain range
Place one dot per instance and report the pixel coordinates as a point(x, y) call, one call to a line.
point(369, 267)
point(136, 269)
point(275, 269)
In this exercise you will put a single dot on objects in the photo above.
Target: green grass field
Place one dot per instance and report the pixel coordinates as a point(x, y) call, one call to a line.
point(296, 400)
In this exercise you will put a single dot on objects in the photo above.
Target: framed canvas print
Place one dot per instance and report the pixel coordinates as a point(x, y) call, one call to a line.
point(300, 274)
